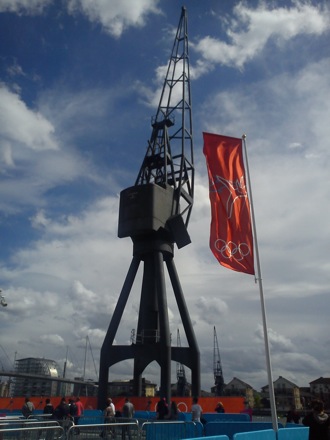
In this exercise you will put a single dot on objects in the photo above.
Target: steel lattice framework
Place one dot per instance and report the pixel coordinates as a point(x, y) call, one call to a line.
point(169, 157)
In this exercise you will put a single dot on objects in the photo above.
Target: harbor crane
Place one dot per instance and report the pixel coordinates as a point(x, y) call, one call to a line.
point(181, 387)
point(155, 213)
point(217, 367)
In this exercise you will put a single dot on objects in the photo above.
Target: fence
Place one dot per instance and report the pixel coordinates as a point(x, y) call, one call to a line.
point(301, 433)
point(141, 429)
point(33, 433)
point(29, 430)
point(170, 430)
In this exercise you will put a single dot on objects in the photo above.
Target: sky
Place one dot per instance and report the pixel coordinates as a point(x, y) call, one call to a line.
point(79, 83)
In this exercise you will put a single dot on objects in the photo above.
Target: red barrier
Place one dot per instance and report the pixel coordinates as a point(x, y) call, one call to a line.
point(231, 404)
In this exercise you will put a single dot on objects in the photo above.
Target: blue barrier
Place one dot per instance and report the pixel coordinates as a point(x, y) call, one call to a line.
point(14, 412)
point(226, 417)
point(267, 434)
point(91, 416)
point(152, 415)
point(171, 430)
point(185, 416)
point(300, 433)
point(145, 415)
point(231, 428)
point(213, 437)
point(294, 425)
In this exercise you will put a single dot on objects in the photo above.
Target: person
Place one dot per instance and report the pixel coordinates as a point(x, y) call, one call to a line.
point(109, 412)
point(219, 408)
point(27, 408)
point(196, 411)
point(173, 414)
point(72, 409)
point(318, 422)
point(62, 411)
point(128, 409)
point(80, 410)
point(48, 411)
point(127, 412)
point(62, 414)
point(109, 416)
point(148, 407)
point(48, 408)
point(292, 415)
point(247, 410)
point(162, 409)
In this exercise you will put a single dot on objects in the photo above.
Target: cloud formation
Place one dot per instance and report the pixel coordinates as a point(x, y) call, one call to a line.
point(250, 29)
point(115, 17)
point(32, 7)
point(22, 125)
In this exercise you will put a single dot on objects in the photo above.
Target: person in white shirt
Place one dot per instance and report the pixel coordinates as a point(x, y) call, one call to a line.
point(196, 410)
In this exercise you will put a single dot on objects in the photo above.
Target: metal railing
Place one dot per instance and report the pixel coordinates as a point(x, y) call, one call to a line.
point(121, 429)
point(33, 433)
point(114, 431)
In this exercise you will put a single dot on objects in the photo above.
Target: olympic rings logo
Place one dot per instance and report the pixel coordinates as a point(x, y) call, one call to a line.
point(232, 250)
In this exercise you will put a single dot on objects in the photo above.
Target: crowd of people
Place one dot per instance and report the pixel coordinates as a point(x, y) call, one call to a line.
point(67, 413)
point(317, 419)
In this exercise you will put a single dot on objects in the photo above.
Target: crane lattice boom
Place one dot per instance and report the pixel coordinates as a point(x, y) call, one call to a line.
point(169, 156)
point(217, 367)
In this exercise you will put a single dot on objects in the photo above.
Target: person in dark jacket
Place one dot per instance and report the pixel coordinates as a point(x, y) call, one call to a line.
point(318, 422)
point(162, 409)
point(62, 411)
point(292, 416)
point(48, 408)
point(174, 412)
point(27, 408)
point(219, 408)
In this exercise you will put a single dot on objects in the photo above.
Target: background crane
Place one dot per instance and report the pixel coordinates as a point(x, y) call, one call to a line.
point(155, 213)
point(217, 367)
point(181, 388)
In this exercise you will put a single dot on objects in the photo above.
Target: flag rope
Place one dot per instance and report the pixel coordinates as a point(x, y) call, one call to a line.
point(258, 278)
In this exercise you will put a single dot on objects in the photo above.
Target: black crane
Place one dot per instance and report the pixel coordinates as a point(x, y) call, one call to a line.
point(155, 213)
point(181, 386)
point(217, 367)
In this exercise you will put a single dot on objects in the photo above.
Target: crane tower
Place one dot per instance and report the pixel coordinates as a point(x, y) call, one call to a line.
point(217, 367)
point(155, 213)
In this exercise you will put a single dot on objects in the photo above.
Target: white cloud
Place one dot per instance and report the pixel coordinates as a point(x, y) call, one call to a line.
point(278, 342)
point(52, 339)
point(20, 124)
point(39, 219)
point(251, 29)
point(30, 140)
point(211, 309)
point(15, 69)
point(31, 7)
point(116, 16)
point(6, 154)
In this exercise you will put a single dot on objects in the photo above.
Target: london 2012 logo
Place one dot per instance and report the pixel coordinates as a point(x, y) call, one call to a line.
point(232, 250)
point(231, 192)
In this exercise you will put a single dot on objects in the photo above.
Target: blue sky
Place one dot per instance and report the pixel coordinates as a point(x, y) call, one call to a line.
point(79, 83)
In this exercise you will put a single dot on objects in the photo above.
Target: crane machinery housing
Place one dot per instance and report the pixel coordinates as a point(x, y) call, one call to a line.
point(155, 213)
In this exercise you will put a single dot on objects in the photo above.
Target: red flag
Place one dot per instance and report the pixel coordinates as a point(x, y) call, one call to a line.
point(231, 239)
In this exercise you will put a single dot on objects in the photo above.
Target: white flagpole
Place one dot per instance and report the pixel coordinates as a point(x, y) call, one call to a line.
point(262, 300)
